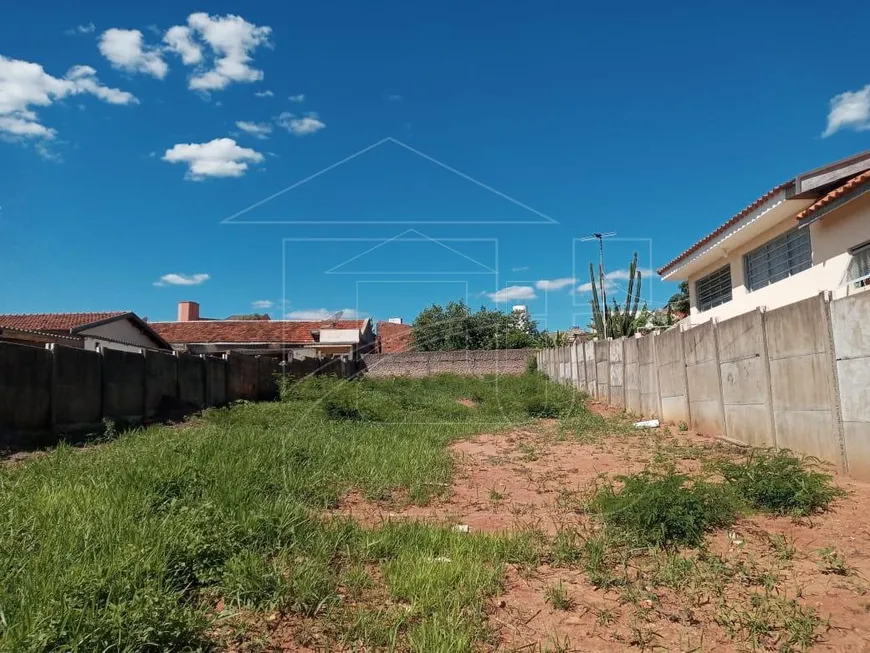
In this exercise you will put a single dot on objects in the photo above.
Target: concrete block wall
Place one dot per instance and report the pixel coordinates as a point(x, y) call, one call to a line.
point(473, 362)
point(45, 391)
point(794, 378)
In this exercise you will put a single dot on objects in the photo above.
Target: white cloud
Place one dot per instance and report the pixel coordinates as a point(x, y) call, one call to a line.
point(125, 50)
point(511, 293)
point(266, 93)
point(297, 98)
point(587, 287)
point(257, 129)
point(554, 284)
point(182, 279)
point(308, 124)
point(317, 314)
point(220, 157)
point(849, 110)
point(394, 98)
point(230, 40)
point(617, 275)
point(178, 40)
point(521, 268)
point(24, 85)
point(87, 28)
point(262, 303)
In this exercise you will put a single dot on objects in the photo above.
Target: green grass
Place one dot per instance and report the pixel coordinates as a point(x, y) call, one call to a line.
point(665, 508)
point(781, 483)
point(559, 597)
point(129, 546)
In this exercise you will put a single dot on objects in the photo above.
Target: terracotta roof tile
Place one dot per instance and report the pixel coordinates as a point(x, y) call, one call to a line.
point(246, 331)
point(839, 191)
point(731, 222)
point(55, 321)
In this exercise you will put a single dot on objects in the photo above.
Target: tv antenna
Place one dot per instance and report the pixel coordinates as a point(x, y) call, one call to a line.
point(335, 317)
point(600, 238)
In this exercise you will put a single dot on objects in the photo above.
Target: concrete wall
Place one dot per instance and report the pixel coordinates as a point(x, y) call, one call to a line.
point(25, 387)
point(743, 369)
point(797, 377)
point(702, 372)
point(671, 364)
point(161, 381)
point(475, 362)
point(850, 326)
point(632, 376)
point(648, 378)
point(51, 390)
point(123, 384)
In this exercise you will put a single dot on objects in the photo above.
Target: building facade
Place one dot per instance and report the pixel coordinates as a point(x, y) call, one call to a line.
point(809, 235)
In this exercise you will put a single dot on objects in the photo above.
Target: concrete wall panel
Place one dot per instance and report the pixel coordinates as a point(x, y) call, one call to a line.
point(740, 337)
point(801, 383)
point(77, 392)
point(796, 329)
point(807, 431)
point(123, 384)
point(161, 381)
point(216, 381)
point(749, 424)
point(854, 375)
point(242, 377)
point(744, 382)
point(268, 369)
point(857, 441)
point(632, 377)
point(703, 381)
point(191, 380)
point(25, 388)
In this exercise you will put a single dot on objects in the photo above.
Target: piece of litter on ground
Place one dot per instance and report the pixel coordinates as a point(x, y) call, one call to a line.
point(461, 528)
point(647, 424)
point(442, 559)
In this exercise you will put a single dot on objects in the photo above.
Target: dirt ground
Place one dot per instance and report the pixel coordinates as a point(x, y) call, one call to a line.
point(536, 478)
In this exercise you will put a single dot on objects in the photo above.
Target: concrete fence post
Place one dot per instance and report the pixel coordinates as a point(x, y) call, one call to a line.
point(765, 364)
point(52, 393)
point(720, 396)
point(685, 374)
point(834, 381)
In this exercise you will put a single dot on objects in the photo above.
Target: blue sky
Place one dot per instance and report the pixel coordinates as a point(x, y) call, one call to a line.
point(505, 131)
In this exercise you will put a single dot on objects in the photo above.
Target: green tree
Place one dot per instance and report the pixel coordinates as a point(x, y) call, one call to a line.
point(455, 326)
point(613, 321)
point(679, 301)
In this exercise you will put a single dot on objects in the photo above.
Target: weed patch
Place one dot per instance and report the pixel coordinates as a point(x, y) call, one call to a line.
point(781, 483)
point(664, 508)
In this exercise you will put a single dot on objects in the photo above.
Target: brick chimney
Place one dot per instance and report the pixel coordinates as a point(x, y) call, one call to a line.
point(188, 311)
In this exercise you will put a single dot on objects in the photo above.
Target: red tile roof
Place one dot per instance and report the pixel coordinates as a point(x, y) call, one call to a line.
point(839, 191)
point(55, 321)
point(734, 220)
point(246, 331)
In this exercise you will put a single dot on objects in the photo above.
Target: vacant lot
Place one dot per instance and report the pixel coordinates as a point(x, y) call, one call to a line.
point(328, 521)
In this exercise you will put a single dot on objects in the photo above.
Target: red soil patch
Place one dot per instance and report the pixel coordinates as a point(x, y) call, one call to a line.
point(468, 403)
point(529, 477)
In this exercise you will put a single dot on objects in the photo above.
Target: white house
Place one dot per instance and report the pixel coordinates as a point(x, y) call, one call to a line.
point(807, 235)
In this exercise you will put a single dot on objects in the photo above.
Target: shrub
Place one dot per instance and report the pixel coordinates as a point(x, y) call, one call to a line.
point(663, 509)
point(778, 482)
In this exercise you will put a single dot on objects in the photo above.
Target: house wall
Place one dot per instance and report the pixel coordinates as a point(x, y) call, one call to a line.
point(795, 377)
point(830, 238)
point(122, 330)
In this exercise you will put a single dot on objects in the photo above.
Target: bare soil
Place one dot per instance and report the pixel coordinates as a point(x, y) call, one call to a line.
point(538, 477)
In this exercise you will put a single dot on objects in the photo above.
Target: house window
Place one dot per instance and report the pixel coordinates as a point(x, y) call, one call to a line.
point(859, 267)
point(779, 258)
point(714, 289)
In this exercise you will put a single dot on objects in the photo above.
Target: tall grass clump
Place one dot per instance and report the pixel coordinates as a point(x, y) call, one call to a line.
point(781, 483)
point(129, 546)
point(664, 508)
